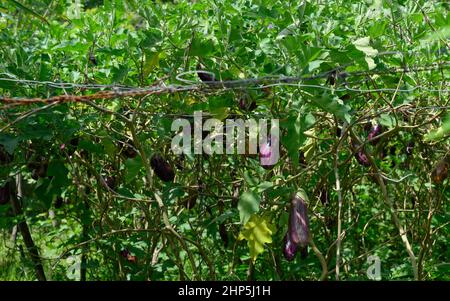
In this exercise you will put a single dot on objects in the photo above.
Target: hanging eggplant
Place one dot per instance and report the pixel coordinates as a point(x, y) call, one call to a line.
point(246, 105)
point(204, 75)
point(298, 222)
point(297, 236)
point(324, 197)
point(360, 155)
point(362, 159)
point(162, 169)
point(374, 132)
point(290, 249)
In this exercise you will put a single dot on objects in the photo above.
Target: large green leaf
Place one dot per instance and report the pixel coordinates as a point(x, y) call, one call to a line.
point(362, 44)
point(441, 132)
point(201, 47)
point(296, 125)
point(257, 231)
point(9, 142)
point(133, 166)
point(333, 104)
point(247, 205)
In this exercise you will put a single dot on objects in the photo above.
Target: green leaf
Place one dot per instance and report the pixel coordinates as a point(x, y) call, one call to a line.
point(125, 192)
point(441, 34)
point(289, 30)
point(440, 132)
point(314, 65)
point(267, 46)
point(109, 146)
point(133, 166)
point(220, 113)
point(296, 125)
point(370, 63)
point(151, 61)
point(45, 71)
point(9, 142)
point(120, 73)
point(223, 217)
point(333, 104)
point(377, 29)
point(257, 231)
point(153, 38)
point(201, 48)
point(90, 146)
point(250, 179)
point(387, 120)
point(57, 169)
point(263, 186)
point(247, 205)
point(41, 132)
point(363, 45)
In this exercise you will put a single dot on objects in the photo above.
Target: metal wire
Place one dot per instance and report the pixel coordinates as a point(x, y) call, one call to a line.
point(120, 91)
point(230, 83)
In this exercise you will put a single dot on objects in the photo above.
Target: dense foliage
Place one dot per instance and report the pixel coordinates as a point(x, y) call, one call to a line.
point(364, 140)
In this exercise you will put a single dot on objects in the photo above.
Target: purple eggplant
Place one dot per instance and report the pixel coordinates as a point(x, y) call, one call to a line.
point(223, 234)
point(245, 106)
point(338, 131)
point(375, 131)
point(290, 249)
point(297, 236)
point(162, 169)
point(360, 155)
point(362, 158)
point(265, 151)
point(299, 222)
point(204, 75)
point(59, 202)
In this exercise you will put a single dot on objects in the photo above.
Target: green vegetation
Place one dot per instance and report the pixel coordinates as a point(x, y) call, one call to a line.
point(104, 197)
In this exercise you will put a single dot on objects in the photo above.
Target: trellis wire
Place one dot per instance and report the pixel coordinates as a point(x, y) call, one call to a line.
point(326, 74)
point(120, 91)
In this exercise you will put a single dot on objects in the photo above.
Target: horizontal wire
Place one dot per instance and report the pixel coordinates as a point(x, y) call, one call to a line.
point(63, 85)
point(200, 88)
point(251, 81)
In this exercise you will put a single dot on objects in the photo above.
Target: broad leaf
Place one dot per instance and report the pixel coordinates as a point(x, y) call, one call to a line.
point(248, 204)
point(257, 231)
point(333, 104)
point(440, 132)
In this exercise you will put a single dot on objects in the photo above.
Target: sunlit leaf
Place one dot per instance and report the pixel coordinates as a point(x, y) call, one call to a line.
point(440, 132)
point(257, 231)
